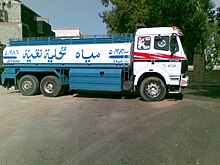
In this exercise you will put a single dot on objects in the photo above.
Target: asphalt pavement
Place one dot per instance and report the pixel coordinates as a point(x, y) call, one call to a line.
point(110, 129)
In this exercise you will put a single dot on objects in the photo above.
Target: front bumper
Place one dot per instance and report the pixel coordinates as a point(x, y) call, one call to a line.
point(184, 81)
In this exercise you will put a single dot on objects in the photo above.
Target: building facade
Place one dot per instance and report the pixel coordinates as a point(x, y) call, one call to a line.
point(18, 21)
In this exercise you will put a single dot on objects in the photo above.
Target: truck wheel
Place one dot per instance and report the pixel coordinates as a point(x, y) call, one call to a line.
point(28, 85)
point(152, 89)
point(63, 90)
point(50, 86)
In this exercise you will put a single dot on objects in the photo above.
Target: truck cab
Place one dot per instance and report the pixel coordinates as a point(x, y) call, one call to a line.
point(159, 62)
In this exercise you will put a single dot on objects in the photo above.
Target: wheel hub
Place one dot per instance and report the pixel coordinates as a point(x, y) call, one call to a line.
point(153, 90)
point(49, 88)
point(27, 86)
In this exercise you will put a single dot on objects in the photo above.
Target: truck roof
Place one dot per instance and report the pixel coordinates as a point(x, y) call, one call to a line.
point(158, 30)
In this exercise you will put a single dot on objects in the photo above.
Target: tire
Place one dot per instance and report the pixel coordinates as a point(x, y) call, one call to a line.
point(152, 89)
point(63, 90)
point(50, 86)
point(28, 85)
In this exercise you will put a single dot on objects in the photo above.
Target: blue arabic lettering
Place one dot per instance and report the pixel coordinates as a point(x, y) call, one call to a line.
point(28, 54)
point(61, 53)
point(38, 53)
point(117, 51)
point(118, 61)
point(12, 61)
point(12, 52)
point(93, 55)
point(47, 54)
point(78, 54)
point(52, 55)
point(110, 52)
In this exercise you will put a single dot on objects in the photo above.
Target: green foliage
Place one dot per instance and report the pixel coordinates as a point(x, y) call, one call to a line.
point(191, 16)
point(218, 19)
point(212, 49)
point(124, 15)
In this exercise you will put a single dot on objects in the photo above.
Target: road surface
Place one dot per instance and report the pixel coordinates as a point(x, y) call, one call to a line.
point(109, 129)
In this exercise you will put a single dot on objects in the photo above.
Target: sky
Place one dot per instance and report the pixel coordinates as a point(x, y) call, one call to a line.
point(83, 14)
point(217, 3)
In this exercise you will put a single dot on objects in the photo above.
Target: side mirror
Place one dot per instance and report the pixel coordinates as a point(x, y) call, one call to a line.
point(173, 44)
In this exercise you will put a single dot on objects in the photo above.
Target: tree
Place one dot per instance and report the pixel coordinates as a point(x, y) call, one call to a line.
point(124, 15)
point(217, 35)
point(218, 19)
point(213, 45)
point(192, 16)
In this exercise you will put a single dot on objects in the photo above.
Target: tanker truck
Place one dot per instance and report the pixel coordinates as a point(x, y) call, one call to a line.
point(151, 61)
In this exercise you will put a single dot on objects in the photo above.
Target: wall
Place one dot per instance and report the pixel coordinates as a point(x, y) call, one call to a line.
point(10, 30)
point(200, 76)
point(14, 14)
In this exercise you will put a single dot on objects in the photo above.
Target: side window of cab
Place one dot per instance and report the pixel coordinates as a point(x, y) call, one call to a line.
point(161, 43)
point(144, 43)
